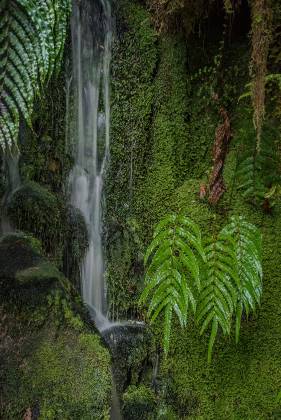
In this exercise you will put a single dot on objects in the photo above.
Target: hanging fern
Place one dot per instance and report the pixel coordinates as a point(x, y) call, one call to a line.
point(172, 277)
point(228, 283)
point(32, 39)
point(218, 297)
point(250, 177)
point(233, 283)
point(257, 171)
point(247, 239)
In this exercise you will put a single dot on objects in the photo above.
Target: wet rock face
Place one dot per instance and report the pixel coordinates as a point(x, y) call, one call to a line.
point(25, 275)
point(16, 254)
point(130, 348)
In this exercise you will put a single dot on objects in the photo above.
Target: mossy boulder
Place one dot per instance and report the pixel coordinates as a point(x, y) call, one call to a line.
point(69, 376)
point(36, 210)
point(130, 345)
point(25, 275)
point(139, 402)
point(54, 374)
point(52, 363)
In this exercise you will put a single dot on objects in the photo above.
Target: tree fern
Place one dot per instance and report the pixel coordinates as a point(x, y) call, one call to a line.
point(32, 39)
point(172, 276)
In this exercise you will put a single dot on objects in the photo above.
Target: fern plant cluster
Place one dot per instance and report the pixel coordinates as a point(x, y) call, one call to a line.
point(258, 174)
point(216, 280)
point(32, 38)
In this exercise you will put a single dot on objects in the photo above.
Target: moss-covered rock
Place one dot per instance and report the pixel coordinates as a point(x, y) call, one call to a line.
point(188, 84)
point(52, 363)
point(75, 244)
point(139, 402)
point(36, 210)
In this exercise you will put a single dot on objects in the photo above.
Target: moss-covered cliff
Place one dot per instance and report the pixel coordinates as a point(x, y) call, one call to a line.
point(167, 91)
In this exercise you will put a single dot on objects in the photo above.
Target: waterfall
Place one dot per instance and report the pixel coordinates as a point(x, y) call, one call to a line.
point(91, 44)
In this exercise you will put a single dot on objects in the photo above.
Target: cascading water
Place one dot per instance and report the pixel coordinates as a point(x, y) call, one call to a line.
point(91, 40)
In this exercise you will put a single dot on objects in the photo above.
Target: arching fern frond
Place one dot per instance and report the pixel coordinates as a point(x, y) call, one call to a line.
point(247, 239)
point(172, 276)
point(250, 178)
point(219, 282)
point(257, 170)
point(218, 297)
point(32, 38)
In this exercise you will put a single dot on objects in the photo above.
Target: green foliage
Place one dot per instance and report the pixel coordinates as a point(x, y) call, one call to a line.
point(247, 248)
point(217, 299)
point(31, 47)
point(257, 171)
point(173, 272)
point(217, 282)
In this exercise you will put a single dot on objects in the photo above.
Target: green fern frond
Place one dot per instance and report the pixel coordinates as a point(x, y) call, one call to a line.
point(218, 281)
point(250, 179)
point(218, 297)
point(248, 258)
point(257, 170)
point(32, 39)
point(172, 275)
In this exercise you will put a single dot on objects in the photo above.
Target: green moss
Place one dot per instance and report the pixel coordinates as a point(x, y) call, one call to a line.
point(44, 271)
point(75, 244)
point(81, 390)
point(61, 377)
point(44, 156)
point(168, 131)
point(174, 161)
point(34, 209)
point(134, 63)
point(139, 403)
point(51, 361)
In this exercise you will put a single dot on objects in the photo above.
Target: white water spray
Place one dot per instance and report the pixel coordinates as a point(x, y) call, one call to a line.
point(91, 39)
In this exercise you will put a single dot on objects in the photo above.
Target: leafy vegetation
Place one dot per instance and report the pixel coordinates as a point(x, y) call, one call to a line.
point(31, 48)
point(173, 272)
point(218, 281)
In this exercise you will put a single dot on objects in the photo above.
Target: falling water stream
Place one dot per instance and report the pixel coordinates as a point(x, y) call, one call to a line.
point(91, 41)
point(89, 85)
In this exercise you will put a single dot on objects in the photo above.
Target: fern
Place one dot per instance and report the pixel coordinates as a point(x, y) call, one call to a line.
point(32, 38)
point(218, 297)
point(217, 282)
point(250, 178)
point(247, 249)
point(173, 272)
point(257, 170)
